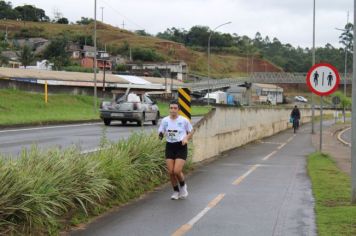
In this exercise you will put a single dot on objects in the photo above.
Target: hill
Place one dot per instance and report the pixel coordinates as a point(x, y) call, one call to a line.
point(116, 39)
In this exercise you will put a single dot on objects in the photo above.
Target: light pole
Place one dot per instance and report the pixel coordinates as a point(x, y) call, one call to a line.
point(353, 118)
point(312, 96)
point(211, 33)
point(345, 75)
point(95, 89)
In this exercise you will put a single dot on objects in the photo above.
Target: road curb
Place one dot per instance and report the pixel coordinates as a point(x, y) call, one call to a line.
point(341, 139)
point(48, 123)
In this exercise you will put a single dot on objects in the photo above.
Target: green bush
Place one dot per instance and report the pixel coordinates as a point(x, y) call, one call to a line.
point(41, 191)
point(145, 54)
point(121, 67)
point(30, 32)
point(79, 69)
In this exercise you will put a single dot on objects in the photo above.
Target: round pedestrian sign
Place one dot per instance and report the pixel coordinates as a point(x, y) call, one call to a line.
point(323, 79)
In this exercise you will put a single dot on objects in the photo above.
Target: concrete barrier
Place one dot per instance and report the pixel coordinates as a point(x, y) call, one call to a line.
point(225, 128)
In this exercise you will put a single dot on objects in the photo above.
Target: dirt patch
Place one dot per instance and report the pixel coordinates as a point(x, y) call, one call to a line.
point(332, 146)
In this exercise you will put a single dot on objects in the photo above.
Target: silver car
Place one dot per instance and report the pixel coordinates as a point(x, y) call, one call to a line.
point(131, 107)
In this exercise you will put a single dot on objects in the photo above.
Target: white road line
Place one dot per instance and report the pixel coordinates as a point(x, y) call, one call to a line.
point(269, 155)
point(281, 146)
point(49, 127)
point(186, 227)
point(341, 139)
point(271, 143)
point(242, 177)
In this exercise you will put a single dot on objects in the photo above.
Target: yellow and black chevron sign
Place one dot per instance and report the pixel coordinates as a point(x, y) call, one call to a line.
point(184, 101)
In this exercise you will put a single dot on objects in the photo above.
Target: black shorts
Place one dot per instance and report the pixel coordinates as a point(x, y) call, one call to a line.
point(176, 151)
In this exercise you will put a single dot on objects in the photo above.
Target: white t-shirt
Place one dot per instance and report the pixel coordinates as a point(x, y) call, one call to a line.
point(175, 130)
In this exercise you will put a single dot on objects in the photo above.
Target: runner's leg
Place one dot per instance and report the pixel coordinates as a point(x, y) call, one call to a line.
point(170, 168)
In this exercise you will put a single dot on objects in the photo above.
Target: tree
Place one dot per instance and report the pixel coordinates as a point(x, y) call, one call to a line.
point(26, 56)
point(142, 33)
point(31, 13)
point(63, 20)
point(6, 11)
point(85, 21)
point(346, 38)
point(198, 36)
point(56, 52)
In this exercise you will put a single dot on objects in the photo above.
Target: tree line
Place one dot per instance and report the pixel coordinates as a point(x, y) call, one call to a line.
point(284, 55)
point(32, 13)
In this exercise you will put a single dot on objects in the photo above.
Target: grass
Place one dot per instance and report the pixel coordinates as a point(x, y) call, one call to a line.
point(42, 193)
point(18, 107)
point(24, 108)
point(335, 215)
point(196, 110)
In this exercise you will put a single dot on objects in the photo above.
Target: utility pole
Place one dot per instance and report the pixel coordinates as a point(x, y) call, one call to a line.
point(123, 24)
point(102, 14)
point(95, 61)
point(353, 117)
point(312, 96)
point(104, 78)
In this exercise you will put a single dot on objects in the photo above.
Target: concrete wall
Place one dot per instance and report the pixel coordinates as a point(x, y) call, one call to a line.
point(225, 128)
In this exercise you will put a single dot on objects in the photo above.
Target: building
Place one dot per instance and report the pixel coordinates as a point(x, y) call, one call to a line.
point(176, 70)
point(239, 94)
point(102, 58)
point(266, 93)
point(74, 50)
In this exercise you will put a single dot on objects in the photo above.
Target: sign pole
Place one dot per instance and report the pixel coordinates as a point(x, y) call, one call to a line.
point(321, 124)
point(322, 79)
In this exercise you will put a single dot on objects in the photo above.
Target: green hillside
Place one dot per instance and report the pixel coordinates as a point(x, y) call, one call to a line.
point(117, 40)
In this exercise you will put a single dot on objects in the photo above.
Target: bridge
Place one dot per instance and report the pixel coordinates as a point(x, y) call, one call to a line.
point(256, 77)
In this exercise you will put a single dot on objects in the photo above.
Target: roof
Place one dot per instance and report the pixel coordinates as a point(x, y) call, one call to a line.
point(236, 89)
point(88, 48)
point(268, 86)
point(74, 76)
point(10, 54)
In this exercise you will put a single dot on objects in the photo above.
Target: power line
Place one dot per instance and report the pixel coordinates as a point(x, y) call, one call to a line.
point(128, 19)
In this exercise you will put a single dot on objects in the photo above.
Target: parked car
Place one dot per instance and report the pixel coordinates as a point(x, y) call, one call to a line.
point(300, 99)
point(131, 107)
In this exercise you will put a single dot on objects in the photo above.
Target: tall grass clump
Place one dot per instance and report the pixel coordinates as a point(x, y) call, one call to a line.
point(42, 192)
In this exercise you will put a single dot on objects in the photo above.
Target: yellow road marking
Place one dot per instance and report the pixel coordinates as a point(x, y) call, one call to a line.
point(186, 227)
point(242, 177)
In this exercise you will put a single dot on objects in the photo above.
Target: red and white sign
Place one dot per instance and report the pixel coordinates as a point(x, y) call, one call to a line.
point(323, 79)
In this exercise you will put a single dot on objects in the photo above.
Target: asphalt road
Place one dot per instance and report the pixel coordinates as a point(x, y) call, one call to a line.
point(259, 189)
point(346, 136)
point(86, 136)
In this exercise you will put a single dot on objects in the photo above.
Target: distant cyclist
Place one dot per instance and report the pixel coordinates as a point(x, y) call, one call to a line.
point(295, 115)
point(178, 131)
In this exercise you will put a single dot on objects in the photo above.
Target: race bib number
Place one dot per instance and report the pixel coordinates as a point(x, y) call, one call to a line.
point(172, 135)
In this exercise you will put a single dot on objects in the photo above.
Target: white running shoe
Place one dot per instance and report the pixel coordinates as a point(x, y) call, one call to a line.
point(175, 195)
point(183, 192)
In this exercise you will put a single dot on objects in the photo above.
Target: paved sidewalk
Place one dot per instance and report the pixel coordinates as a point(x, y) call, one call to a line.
point(259, 189)
point(340, 152)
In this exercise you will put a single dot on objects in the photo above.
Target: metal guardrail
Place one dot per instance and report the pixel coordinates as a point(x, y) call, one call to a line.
point(256, 77)
point(282, 77)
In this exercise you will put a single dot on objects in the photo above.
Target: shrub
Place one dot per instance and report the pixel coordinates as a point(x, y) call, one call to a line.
point(144, 54)
point(42, 190)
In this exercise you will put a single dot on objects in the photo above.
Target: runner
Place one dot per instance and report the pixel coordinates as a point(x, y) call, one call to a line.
point(178, 131)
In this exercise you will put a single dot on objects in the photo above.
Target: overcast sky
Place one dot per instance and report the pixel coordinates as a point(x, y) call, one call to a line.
point(288, 20)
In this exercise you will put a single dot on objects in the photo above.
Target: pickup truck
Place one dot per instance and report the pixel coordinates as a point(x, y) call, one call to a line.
point(130, 107)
